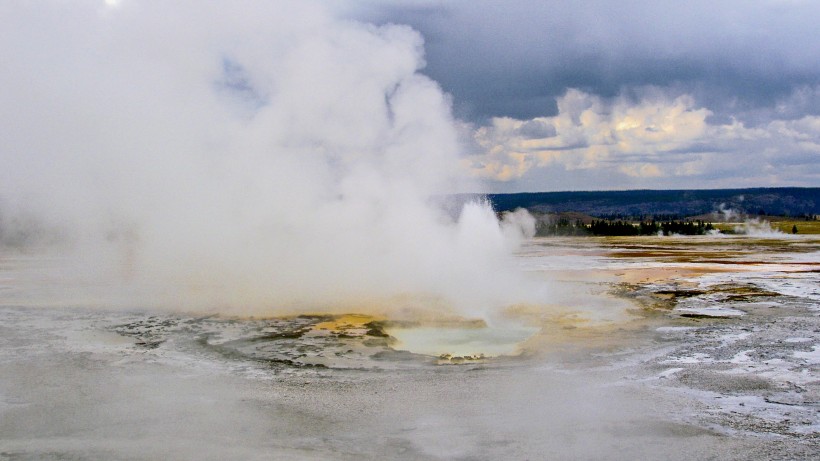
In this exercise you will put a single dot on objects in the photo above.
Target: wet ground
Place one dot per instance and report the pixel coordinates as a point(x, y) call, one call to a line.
point(649, 348)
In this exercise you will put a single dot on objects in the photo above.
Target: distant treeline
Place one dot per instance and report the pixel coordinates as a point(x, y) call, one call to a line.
point(602, 227)
point(667, 205)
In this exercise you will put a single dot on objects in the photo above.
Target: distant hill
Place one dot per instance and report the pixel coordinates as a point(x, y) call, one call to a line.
point(667, 204)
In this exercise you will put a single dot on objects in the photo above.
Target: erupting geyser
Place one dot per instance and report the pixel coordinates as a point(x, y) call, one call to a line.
point(272, 159)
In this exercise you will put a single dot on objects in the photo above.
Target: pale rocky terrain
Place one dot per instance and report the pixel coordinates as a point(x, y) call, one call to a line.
point(650, 348)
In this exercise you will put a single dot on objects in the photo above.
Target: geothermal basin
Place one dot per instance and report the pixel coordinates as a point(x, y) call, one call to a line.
point(649, 348)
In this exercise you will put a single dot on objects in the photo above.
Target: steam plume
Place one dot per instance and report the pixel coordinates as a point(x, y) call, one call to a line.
point(262, 157)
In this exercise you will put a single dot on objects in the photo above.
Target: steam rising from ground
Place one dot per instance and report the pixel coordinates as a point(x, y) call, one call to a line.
point(758, 228)
point(257, 157)
point(754, 227)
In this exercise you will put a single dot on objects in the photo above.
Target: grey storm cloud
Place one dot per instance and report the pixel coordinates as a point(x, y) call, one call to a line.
point(514, 58)
point(535, 129)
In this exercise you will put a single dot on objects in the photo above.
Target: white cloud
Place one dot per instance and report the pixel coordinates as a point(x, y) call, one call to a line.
point(658, 139)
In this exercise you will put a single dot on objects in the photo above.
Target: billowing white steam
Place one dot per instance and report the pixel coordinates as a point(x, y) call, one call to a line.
point(754, 227)
point(254, 156)
point(758, 228)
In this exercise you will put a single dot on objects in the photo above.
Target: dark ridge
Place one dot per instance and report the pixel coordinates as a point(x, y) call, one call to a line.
point(667, 204)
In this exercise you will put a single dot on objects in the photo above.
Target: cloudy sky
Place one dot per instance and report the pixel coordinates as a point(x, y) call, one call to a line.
point(546, 95)
point(561, 95)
